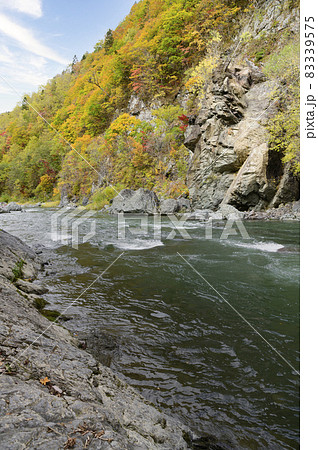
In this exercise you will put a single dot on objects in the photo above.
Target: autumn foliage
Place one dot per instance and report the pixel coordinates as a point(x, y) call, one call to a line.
point(96, 143)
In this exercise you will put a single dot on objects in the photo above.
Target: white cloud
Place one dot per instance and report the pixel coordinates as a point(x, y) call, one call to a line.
point(37, 62)
point(25, 62)
point(5, 55)
point(26, 40)
point(31, 7)
point(24, 75)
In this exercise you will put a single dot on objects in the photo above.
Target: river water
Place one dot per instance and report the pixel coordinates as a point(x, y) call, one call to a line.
point(176, 328)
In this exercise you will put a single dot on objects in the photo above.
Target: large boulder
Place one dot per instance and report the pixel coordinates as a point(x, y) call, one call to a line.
point(12, 206)
point(230, 212)
point(17, 260)
point(192, 136)
point(169, 206)
point(250, 186)
point(184, 204)
point(141, 201)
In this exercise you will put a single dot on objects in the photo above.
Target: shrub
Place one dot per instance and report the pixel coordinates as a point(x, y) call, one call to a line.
point(17, 270)
point(284, 125)
point(103, 197)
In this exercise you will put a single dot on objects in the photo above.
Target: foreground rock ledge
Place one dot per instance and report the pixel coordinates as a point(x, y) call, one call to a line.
point(84, 405)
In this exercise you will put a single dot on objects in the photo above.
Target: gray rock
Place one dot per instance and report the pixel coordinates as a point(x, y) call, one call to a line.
point(31, 205)
point(247, 76)
point(250, 185)
point(169, 206)
point(64, 202)
point(12, 206)
point(65, 195)
point(184, 204)
point(15, 255)
point(226, 161)
point(192, 136)
point(141, 201)
point(30, 288)
point(289, 211)
point(229, 212)
point(200, 214)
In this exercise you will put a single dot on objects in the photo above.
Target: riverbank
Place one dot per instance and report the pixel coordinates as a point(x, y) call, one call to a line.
point(146, 202)
point(53, 393)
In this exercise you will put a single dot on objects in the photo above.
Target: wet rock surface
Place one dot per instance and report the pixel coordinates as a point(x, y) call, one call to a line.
point(54, 394)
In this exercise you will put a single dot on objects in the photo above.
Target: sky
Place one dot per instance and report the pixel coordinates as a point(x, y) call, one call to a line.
point(39, 38)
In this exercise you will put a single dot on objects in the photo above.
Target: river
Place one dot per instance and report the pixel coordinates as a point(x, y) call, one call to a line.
point(212, 338)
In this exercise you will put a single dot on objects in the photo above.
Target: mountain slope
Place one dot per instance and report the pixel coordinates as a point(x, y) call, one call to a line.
point(119, 115)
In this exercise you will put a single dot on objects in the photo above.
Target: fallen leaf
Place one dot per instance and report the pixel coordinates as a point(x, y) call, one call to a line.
point(87, 442)
point(99, 434)
point(83, 429)
point(70, 443)
point(44, 381)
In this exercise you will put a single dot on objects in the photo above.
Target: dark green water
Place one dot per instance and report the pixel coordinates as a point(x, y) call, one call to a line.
point(182, 346)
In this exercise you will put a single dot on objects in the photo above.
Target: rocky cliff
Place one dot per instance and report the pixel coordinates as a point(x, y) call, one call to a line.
point(231, 162)
point(230, 159)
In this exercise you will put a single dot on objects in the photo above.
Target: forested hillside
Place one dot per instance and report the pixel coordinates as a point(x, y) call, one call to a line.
point(83, 133)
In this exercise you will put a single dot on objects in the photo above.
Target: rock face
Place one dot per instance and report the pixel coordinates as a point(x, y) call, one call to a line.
point(229, 212)
point(250, 188)
point(79, 403)
point(288, 188)
point(141, 201)
point(231, 162)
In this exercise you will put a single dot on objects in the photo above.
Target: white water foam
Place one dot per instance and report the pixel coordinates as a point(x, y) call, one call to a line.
point(262, 246)
point(138, 244)
point(58, 237)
